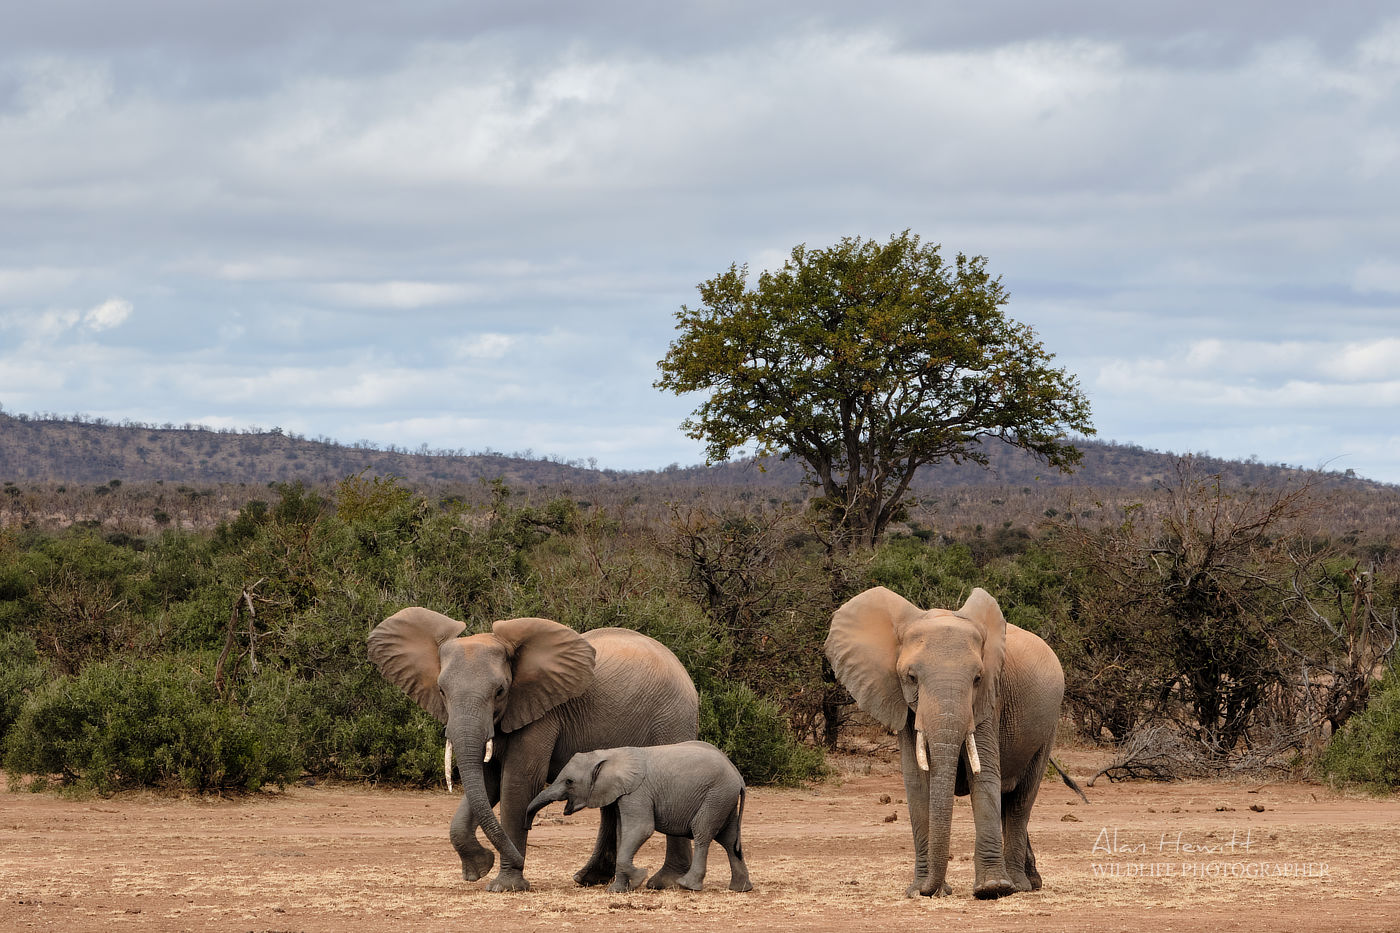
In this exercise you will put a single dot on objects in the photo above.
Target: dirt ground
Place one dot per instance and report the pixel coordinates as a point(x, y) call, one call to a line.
point(1188, 856)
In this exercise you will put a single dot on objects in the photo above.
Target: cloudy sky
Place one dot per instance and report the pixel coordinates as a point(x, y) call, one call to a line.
point(468, 225)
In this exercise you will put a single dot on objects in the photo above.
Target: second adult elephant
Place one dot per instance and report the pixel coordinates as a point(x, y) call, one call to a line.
point(518, 702)
point(975, 702)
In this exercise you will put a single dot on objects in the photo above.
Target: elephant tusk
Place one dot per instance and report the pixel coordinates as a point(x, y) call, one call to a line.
point(490, 747)
point(920, 750)
point(972, 758)
point(447, 764)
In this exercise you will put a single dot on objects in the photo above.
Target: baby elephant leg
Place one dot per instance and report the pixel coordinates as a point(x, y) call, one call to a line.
point(734, 848)
point(634, 829)
point(677, 863)
point(694, 879)
point(712, 820)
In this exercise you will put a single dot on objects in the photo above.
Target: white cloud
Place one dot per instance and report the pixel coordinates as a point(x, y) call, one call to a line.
point(34, 282)
point(53, 89)
point(397, 294)
point(1375, 360)
point(262, 269)
point(484, 346)
point(1378, 275)
point(111, 313)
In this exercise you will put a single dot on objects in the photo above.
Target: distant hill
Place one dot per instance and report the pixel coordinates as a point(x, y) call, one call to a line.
point(56, 450)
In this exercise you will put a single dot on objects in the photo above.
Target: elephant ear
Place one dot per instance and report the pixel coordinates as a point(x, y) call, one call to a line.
point(618, 772)
point(550, 663)
point(405, 649)
point(982, 609)
point(863, 647)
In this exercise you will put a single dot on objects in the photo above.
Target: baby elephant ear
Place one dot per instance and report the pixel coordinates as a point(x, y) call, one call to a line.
point(619, 771)
point(863, 647)
point(551, 664)
point(405, 649)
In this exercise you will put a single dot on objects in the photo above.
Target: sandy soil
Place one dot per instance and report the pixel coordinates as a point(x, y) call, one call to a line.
point(1189, 856)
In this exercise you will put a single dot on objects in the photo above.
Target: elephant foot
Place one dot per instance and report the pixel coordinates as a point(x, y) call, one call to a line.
point(943, 889)
point(999, 887)
point(690, 882)
point(592, 875)
point(664, 880)
point(1024, 883)
point(740, 884)
point(628, 879)
point(477, 865)
point(509, 879)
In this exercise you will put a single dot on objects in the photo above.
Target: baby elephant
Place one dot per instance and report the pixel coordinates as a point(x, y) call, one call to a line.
point(689, 790)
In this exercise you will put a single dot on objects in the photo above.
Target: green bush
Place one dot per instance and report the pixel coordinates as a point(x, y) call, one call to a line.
point(1367, 749)
point(354, 725)
point(755, 735)
point(123, 724)
point(22, 671)
point(927, 576)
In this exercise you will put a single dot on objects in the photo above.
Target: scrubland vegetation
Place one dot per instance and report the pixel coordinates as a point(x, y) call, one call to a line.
point(213, 637)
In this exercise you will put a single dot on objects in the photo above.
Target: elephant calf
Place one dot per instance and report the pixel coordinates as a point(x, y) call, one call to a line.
point(689, 791)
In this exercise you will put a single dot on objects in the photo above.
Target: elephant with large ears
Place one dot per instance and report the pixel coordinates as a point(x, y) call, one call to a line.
point(517, 703)
point(975, 702)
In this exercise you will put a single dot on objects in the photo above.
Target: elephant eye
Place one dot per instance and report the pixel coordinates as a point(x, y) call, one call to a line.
point(977, 680)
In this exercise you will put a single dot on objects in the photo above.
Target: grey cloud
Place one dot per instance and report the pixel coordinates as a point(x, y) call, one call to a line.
point(301, 201)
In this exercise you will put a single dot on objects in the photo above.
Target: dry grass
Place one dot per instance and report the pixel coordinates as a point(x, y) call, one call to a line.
point(823, 858)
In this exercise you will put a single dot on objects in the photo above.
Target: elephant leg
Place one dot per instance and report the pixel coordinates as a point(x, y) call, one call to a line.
point(476, 858)
point(1032, 875)
point(1016, 817)
point(990, 856)
point(635, 826)
point(520, 781)
point(602, 864)
point(728, 837)
point(678, 862)
point(916, 792)
point(694, 880)
point(712, 818)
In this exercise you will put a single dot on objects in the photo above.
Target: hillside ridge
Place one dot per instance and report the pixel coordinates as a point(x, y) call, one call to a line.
point(77, 450)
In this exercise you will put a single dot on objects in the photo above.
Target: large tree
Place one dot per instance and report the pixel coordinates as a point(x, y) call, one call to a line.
point(866, 361)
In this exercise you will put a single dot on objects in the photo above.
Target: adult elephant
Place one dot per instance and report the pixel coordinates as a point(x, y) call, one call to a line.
point(518, 702)
point(975, 702)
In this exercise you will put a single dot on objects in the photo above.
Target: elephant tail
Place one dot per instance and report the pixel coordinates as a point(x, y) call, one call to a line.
point(1069, 781)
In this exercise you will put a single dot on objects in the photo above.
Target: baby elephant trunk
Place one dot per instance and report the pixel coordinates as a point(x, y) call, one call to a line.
point(547, 796)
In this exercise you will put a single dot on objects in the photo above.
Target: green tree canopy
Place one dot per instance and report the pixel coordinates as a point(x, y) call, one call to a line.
point(867, 361)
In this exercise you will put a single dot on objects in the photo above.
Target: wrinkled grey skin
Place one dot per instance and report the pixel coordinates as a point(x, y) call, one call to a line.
point(934, 676)
point(687, 791)
point(538, 692)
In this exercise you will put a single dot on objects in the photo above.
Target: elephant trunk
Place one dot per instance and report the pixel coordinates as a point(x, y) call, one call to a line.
point(942, 753)
point(469, 767)
point(543, 799)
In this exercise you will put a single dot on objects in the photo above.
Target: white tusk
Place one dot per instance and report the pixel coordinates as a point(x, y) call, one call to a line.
point(972, 758)
point(490, 746)
point(920, 751)
point(447, 764)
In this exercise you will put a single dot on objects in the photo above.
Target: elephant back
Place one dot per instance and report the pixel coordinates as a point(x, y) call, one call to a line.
point(1032, 672)
point(641, 694)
